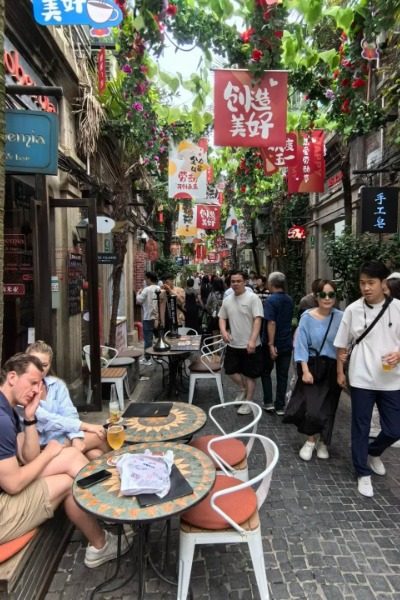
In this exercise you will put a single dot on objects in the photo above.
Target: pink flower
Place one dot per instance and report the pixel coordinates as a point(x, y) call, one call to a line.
point(143, 68)
point(246, 35)
point(141, 88)
point(127, 69)
point(137, 106)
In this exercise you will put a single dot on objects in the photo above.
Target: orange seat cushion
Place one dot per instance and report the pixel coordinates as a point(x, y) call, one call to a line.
point(231, 451)
point(239, 506)
point(8, 549)
point(197, 366)
point(110, 372)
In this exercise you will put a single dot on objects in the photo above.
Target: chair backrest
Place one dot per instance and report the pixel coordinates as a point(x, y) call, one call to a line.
point(264, 477)
point(220, 408)
point(106, 355)
point(213, 352)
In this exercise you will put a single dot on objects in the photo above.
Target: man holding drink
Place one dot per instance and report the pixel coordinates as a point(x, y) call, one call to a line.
point(371, 327)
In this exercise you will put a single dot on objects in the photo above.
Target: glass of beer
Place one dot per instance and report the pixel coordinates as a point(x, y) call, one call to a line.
point(385, 365)
point(115, 436)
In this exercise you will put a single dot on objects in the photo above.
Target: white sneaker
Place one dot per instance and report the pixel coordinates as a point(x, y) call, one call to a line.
point(240, 396)
point(307, 450)
point(365, 486)
point(322, 450)
point(95, 557)
point(269, 407)
point(376, 465)
point(245, 409)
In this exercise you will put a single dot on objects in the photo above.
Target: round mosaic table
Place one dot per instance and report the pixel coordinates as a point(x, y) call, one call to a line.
point(183, 420)
point(105, 501)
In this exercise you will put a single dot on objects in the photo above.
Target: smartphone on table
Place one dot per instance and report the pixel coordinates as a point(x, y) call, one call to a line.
point(90, 480)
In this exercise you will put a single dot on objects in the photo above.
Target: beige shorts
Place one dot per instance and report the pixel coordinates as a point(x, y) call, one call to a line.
point(24, 511)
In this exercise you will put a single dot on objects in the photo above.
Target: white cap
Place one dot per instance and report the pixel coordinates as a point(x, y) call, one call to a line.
point(394, 275)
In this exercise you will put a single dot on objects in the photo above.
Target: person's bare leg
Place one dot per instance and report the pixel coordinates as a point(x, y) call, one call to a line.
point(239, 380)
point(250, 388)
point(60, 490)
point(94, 446)
point(69, 462)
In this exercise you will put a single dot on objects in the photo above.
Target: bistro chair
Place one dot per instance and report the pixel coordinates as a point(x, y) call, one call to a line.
point(228, 514)
point(108, 374)
point(232, 453)
point(208, 365)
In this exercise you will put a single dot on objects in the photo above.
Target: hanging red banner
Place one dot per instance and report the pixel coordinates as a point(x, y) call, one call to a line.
point(101, 69)
point(201, 252)
point(249, 113)
point(308, 175)
point(276, 157)
point(208, 216)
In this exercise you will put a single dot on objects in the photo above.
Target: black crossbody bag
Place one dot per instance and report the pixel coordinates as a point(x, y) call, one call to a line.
point(362, 336)
point(319, 365)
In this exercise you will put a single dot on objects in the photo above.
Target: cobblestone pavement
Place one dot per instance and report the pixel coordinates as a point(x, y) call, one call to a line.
point(322, 541)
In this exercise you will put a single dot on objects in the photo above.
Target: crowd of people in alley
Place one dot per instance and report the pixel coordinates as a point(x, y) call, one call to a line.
point(44, 443)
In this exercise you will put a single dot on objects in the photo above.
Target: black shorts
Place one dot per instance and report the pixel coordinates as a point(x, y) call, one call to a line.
point(238, 360)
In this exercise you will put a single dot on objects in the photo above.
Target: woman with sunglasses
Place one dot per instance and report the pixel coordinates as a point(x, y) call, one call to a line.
point(316, 394)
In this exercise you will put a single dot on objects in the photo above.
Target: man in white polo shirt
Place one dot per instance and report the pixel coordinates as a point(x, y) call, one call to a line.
point(374, 371)
point(243, 359)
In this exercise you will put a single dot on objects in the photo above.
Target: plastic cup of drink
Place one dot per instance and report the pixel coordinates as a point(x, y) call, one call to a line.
point(385, 365)
point(115, 436)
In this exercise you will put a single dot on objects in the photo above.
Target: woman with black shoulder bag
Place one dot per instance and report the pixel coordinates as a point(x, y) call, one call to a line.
point(313, 404)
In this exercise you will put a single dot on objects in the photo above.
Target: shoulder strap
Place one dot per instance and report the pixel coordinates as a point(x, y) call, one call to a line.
point(326, 333)
point(374, 322)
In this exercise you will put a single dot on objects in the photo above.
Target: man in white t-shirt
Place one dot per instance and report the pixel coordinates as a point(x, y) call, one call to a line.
point(243, 359)
point(374, 371)
point(148, 300)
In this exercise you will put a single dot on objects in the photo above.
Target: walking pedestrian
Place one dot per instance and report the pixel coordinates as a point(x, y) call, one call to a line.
point(243, 358)
point(277, 342)
point(314, 400)
point(371, 328)
point(147, 299)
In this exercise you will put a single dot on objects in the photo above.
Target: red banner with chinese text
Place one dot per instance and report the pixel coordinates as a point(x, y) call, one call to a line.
point(208, 216)
point(276, 157)
point(249, 113)
point(308, 175)
point(101, 69)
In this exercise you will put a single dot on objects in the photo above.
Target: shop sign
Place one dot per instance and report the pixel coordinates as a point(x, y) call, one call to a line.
point(14, 289)
point(249, 112)
point(18, 72)
point(31, 142)
point(97, 13)
point(106, 258)
point(297, 233)
point(336, 178)
point(379, 210)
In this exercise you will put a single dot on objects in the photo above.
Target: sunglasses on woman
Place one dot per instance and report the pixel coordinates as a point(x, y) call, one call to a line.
point(326, 295)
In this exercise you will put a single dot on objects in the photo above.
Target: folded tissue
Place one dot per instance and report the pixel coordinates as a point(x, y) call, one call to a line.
point(145, 473)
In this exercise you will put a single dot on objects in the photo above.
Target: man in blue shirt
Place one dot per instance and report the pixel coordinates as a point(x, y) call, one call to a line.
point(277, 342)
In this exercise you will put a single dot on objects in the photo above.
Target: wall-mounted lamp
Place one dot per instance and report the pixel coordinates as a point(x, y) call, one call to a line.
point(81, 230)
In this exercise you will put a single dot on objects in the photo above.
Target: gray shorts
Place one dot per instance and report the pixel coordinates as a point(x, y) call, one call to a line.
point(24, 511)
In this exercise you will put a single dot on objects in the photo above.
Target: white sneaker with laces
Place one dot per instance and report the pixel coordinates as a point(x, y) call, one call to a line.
point(307, 450)
point(322, 450)
point(376, 465)
point(269, 407)
point(240, 396)
point(365, 486)
point(245, 409)
point(94, 557)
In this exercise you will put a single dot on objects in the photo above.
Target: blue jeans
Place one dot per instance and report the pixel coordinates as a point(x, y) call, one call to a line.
point(362, 404)
point(282, 364)
point(148, 328)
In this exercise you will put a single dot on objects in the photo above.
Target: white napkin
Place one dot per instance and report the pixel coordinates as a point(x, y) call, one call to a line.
point(145, 473)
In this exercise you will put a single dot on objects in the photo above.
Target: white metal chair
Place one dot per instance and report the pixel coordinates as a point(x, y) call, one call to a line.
point(228, 514)
point(232, 453)
point(208, 365)
point(116, 375)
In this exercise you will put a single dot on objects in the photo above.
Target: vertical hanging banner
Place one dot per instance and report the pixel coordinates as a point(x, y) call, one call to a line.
point(379, 210)
point(186, 225)
point(248, 112)
point(208, 216)
point(187, 170)
point(308, 175)
point(101, 69)
point(277, 157)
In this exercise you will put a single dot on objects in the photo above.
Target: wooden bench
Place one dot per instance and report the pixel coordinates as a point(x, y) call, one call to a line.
point(28, 574)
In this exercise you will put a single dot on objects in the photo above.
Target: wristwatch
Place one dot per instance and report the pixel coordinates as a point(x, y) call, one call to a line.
point(27, 423)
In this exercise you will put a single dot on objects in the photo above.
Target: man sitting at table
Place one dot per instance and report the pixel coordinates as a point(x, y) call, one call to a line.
point(33, 482)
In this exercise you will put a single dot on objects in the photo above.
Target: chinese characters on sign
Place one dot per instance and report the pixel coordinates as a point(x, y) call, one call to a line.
point(187, 171)
point(379, 210)
point(308, 175)
point(186, 225)
point(208, 216)
point(248, 113)
point(97, 13)
point(276, 157)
